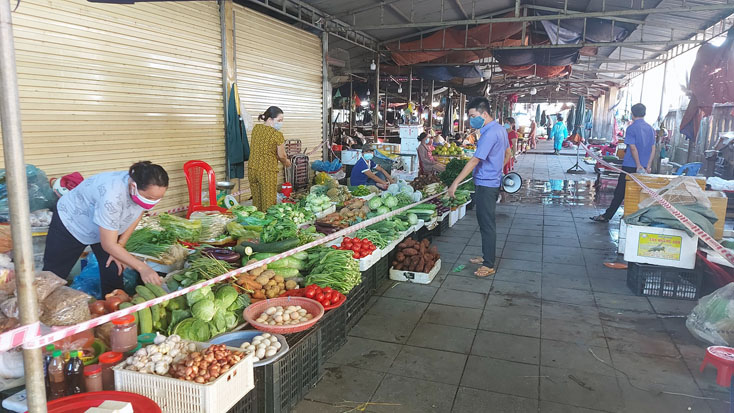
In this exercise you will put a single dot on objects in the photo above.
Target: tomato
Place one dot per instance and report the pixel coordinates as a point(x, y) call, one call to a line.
point(326, 303)
point(310, 293)
point(327, 295)
point(347, 244)
point(366, 242)
point(346, 239)
point(327, 290)
point(319, 297)
point(335, 247)
point(357, 247)
point(372, 248)
point(355, 255)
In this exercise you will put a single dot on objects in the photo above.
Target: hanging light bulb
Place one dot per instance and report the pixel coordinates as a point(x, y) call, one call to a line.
point(368, 92)
point(373, 66)
point(400, 88)
point(533, 90)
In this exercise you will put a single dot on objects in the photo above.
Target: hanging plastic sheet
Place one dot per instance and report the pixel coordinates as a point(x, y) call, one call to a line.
point(571, 31)
point(544, 72)
point(446, 73)
point(545, 57)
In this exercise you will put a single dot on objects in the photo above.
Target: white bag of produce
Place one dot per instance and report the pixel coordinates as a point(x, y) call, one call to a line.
point(712, 320)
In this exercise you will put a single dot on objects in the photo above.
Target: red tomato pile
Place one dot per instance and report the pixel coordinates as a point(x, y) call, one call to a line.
point(361, 247)
point(326, 296)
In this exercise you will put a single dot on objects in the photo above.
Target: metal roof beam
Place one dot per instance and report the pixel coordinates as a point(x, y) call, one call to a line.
point(619, 19)
point(556, 17)
point(667, 43)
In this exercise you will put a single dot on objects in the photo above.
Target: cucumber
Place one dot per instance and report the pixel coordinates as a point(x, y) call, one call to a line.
point(144, 292)
point(155, 312)
point(126, 305)
point(278, 246)
point(158, 291)
point(263, 255)
point(144, 316)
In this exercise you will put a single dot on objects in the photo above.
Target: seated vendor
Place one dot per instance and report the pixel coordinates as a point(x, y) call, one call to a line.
point(366, 172)
point(427, 164)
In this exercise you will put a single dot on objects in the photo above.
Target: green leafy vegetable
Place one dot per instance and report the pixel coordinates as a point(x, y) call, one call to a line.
point(204, 310)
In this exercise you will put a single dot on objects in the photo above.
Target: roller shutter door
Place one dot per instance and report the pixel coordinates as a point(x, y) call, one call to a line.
point(280, 65)
point(103, 86)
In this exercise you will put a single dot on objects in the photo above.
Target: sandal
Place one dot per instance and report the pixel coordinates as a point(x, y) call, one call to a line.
point(599, 218)
point(476, 260)
point(483, 271)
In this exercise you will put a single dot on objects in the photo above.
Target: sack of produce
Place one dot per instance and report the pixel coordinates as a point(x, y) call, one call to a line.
point(64, 307)
point(46, 282)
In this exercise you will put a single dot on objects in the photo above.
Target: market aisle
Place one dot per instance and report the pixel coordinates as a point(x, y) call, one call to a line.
point(524, 341)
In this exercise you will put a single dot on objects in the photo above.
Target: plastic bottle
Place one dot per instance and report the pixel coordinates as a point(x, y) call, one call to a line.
point(48, 352)
point(57, 380)
point(74, 373)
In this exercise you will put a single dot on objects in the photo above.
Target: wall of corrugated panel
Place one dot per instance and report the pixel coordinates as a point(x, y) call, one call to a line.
point(280, 65)
point(103, 86)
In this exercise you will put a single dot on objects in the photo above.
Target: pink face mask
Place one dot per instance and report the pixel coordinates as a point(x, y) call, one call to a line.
point(140, 200)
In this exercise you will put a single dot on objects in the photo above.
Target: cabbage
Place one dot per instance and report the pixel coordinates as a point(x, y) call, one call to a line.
point(192, 329)
point(393, 189)
point(417, 196)
point(198, 295)
point(375, 203)
point(204, 310)
point(230, 319)
point(407, 189)
point(391, 202)
point(412, 219)
point(239, 304)
point(383, 210)
point(225, 296)
point(218, 324)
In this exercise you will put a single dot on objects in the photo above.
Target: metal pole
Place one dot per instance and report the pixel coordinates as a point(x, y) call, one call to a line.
point(384, 118)
point(325, 96)
point(19, 209)
point(223, 30)
point(352, 109)
point(430, 105)
point(410, 85)
point(376, 111)
point(656, 155)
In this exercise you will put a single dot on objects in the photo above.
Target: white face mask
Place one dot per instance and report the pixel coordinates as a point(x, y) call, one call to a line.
point(277, 125)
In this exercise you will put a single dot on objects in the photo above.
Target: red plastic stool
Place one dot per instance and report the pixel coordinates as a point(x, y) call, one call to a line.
point(723, 359)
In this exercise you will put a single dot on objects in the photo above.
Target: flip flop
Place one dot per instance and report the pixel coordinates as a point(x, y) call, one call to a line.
point(599, 218)
point(476, 260)
point(483, 272)
point(616, 265)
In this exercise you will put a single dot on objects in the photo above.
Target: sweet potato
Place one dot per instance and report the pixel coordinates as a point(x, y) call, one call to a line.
point(433, 250)
point(399, 257)
point(410, 251)
point(426, 242)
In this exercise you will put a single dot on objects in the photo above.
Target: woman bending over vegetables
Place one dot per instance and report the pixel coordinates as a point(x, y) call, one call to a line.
point(102, 212)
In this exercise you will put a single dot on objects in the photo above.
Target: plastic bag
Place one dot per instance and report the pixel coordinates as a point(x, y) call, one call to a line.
point(64, 307)
point(88, 280)
point(6, 240)
point(46, 282)
point(682, 190)
point(11, 364)
point(712, 320)
point(9, 307)
point(40, 194)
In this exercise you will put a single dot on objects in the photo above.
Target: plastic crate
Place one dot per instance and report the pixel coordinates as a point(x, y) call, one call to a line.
point(382, 270)
point(248, 404)
point(356, 304)
point(667, 282)
point(442, 227)
point(333, 326)
point(422, 234)
point(285, 382)
point(180, 396)
point(369, 277)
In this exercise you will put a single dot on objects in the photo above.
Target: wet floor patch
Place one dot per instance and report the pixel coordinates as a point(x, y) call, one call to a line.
point(557, 192)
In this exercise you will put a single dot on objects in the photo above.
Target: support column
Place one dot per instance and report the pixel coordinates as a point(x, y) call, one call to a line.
point(612, 98)
point(19, 209)
point(658, 148)
point(352, 108)
point(462, 109)
point(325, 95)
point(384, 118)
point(430, 105)
point(410, 85)
point(376, 112)
point(229, 71)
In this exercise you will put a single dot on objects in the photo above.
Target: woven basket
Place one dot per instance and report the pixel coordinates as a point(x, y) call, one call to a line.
point(253, 311)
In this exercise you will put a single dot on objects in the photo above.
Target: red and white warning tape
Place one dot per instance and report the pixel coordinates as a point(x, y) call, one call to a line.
point(702, 235)
point(29, 335)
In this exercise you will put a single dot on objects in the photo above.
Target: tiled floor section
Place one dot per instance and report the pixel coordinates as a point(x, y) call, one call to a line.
point(540, 336)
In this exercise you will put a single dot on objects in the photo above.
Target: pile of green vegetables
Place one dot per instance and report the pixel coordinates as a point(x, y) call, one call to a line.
point(333, 268)
point(181, 228)
point(461, 197)
point(208, 313)
point(146, 241)
point(287, 267)
point(374, 236)
point(279, 230)
point(316, 203)
point(243, 211)
point(361, 190)
point(453, 168)
point(201, 268)
point(290, 212)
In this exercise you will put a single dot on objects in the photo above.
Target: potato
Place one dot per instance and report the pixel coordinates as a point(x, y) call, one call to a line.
point(259, 270)
point(268, 273)
point(271, 283)
point(262, 279)
point(291, 285)
point(279, 279)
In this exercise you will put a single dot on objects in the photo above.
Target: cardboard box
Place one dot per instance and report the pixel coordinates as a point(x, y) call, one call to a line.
point(633, 193)
point(660, 246)
point(719, 203)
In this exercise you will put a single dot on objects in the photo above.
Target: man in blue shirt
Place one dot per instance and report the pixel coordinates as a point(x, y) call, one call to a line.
point(640, 141)
point(493, 152)
point(366, 172)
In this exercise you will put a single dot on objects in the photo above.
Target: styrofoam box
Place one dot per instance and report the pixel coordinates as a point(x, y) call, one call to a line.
point(462, 211)
point(181, 396)
point(350, 156)
point(327, 211)
point(367, 262)
point(432, 223)
point(453, 217)
point(622, 238)
point(415, 277)
point(444, 216)
point(660, 246)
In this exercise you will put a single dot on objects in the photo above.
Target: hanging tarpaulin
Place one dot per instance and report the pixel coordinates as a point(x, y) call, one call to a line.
point(238, 148)
point(543, 118)
point(545, 57)
point(448, 122)
point(540, 71)
point(439, 44)
point(446, 73)
point(571, 31)
point(579, 116)
point(571, 119)
point(537, 114)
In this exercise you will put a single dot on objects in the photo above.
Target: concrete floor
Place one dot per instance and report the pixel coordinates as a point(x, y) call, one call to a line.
point(531, 338)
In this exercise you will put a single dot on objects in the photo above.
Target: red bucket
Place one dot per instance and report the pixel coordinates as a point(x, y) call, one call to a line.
point(286, 189)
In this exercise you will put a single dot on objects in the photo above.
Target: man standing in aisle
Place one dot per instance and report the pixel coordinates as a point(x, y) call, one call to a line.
point(559, 133)
point(491, 155)
point(640, 141)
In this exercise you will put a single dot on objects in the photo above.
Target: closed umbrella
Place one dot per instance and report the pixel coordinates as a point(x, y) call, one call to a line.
point(537, 114)
point(579, 119)
point(570, 120)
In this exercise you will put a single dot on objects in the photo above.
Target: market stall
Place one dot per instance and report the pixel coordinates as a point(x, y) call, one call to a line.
point(247, 295)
